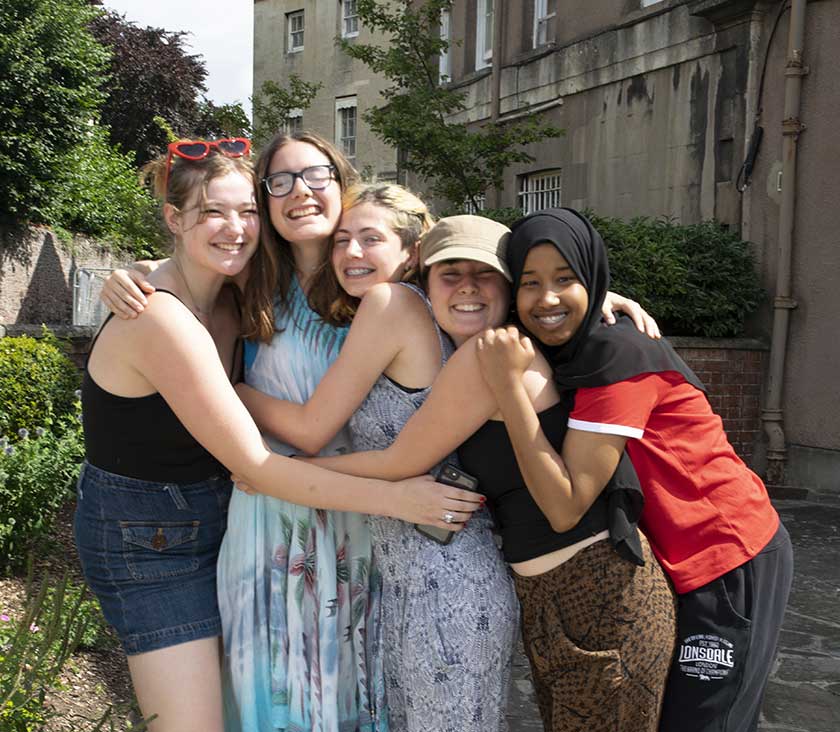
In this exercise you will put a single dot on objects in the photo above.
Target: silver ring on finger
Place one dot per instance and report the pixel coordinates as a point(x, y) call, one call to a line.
point(448, 517)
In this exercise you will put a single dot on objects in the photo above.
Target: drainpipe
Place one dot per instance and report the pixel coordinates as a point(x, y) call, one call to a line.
point(783, 303)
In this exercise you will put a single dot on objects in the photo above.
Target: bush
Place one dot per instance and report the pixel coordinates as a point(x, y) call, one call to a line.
point(697, 280)
point(37, 383)
point(37, 475)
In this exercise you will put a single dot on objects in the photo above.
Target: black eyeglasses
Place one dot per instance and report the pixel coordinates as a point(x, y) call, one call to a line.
point(316, 177)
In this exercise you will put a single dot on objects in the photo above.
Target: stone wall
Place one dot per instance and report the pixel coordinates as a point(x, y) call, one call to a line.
point(37, 271)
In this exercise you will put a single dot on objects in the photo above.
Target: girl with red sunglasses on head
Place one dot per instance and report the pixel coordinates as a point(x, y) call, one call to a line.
point(164, 429)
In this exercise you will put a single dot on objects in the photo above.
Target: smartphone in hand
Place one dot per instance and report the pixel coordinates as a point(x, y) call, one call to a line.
point(448, 475)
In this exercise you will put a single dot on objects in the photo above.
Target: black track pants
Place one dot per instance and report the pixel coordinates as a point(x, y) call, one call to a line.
point(727, 632)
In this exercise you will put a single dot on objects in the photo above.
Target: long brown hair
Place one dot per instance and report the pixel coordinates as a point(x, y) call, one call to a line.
point(273, 272)
point(409, 220)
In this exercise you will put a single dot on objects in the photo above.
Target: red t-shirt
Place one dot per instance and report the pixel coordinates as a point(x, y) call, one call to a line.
point(705, 511)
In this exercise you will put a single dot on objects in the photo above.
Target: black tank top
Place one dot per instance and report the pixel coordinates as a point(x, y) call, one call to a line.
point(140, 437)
point(526, 532)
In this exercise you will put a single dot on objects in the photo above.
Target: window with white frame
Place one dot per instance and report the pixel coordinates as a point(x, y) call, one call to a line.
point(294, 24)
point(444, 72)
point(349, 19)
point(540, 190)
point(294, 122)
point(484, 34)
point(474, 205)
point(345, 126)
point(542, 22)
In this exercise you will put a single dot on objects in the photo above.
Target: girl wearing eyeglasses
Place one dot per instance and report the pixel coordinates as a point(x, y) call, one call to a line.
point(284, 576)
point(164, 429)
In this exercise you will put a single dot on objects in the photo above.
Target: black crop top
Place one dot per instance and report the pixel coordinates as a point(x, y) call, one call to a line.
point(526, 532)
point(140, 437)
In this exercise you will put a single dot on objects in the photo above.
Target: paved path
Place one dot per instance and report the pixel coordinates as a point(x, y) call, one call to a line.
point(804, 690)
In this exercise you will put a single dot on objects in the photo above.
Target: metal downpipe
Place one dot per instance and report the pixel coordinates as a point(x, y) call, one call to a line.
point(783, 303)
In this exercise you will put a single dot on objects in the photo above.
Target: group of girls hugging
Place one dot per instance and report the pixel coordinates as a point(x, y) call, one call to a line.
point(262, 423)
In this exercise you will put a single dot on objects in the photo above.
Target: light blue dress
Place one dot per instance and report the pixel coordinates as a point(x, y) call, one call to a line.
point(298, 595)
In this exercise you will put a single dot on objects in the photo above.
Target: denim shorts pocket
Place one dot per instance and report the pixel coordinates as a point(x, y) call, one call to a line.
point(156, 550)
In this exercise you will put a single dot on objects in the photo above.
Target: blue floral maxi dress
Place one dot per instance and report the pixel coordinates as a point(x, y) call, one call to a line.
point(298, 596)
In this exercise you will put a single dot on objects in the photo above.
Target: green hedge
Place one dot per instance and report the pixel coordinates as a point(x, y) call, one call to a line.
point(37, 383)
point(696, 280)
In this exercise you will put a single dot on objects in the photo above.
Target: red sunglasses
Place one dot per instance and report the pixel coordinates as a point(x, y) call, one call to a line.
point(231, 147)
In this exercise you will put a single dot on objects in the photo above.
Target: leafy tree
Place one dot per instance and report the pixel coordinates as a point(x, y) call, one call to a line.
point(460, 163)
point(151, 75)
point(99, 194)
point(50, 73)
point(274, 103)
point(222, 120)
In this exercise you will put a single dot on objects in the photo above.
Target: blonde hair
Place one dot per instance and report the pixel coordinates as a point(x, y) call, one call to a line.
point(275, 267)
point(409, 219)
point(186, 176)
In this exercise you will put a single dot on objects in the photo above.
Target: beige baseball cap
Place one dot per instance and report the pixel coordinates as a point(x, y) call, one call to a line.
point(466, 237)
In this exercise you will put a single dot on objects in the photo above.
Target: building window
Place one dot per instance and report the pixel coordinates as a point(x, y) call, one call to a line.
point(345, 126)
point(444, 72)
point(484, 34)
point(349, 19)
point(474, 208)
point(542, 23)
point(294, 122)
point(294, 22)
point(538, 191)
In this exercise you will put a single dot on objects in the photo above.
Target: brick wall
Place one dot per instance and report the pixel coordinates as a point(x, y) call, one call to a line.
point(733, 371)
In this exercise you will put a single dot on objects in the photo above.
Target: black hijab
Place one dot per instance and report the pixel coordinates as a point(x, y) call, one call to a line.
point(597, 354)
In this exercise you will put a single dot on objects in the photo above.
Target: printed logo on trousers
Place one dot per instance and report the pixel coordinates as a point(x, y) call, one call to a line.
point(706, 657)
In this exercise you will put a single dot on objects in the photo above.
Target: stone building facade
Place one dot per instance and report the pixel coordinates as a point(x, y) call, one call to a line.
point(299, 37)
point(659, 100)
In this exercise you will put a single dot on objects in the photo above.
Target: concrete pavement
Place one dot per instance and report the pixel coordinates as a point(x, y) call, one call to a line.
point(803, 694)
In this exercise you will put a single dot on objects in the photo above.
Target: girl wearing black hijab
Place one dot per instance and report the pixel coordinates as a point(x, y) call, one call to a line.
point(706, 515)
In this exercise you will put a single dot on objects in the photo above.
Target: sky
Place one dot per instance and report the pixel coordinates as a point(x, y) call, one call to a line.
point(222, 32)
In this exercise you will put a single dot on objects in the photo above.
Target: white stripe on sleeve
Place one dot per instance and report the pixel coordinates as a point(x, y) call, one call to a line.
point(606, 429)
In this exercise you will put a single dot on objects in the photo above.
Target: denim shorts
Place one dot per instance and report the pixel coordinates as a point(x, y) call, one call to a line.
point(148, 551)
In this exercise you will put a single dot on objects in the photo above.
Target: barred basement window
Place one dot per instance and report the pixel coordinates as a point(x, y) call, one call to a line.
point(540, 190)
point(474, 208)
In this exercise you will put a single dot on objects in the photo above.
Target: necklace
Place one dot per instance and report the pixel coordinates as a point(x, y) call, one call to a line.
point(189, 291)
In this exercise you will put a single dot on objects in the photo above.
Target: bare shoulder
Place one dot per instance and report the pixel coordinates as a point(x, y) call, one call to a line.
point(538, 381)
point(392, 301)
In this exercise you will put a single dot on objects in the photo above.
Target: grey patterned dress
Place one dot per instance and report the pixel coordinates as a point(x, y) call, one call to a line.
point(449, 613)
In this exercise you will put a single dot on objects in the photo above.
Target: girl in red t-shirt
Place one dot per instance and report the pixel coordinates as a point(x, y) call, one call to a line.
point(707, 516)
